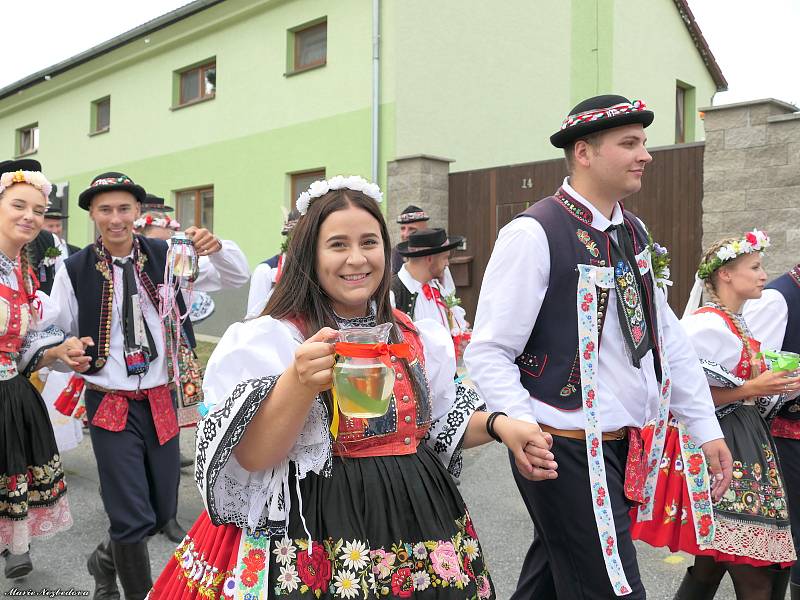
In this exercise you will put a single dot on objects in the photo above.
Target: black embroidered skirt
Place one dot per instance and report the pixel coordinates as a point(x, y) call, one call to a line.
point(33, 500)
point(382, 527)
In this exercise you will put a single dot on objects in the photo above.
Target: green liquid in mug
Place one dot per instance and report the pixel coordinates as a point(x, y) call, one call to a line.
point(362, 391)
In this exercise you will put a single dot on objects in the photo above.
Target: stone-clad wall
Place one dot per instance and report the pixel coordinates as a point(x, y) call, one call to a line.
point(420, 180)
point(751, 176)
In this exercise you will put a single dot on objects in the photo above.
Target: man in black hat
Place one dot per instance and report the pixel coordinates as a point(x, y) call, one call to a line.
point(54, 223)
point(108, 291)
point(43, 252)
point(573, 266)
point(267, 273)
point(417, 288)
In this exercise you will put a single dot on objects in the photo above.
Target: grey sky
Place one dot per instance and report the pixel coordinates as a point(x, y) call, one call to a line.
point(755, 43)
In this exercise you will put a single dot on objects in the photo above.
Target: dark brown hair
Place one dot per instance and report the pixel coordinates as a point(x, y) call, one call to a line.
point(593, 139)
point(300, 298)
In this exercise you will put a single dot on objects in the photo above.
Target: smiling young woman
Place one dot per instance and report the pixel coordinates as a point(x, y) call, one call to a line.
point(33, 499)
point(302, 501)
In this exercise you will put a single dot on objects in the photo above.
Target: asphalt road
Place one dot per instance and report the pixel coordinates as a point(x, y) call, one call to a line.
point(486, 483)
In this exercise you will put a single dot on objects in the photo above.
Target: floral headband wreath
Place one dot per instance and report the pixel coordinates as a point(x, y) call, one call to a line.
point(163, 221)
point(34, 178)
point(321, 187)
point(753, 241)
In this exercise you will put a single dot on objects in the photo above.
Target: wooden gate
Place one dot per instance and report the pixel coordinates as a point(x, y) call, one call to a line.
point(670, 203)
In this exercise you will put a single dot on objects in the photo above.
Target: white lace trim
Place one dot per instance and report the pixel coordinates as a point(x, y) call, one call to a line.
point(39, 523)
point(753, 540)
point(254, 500)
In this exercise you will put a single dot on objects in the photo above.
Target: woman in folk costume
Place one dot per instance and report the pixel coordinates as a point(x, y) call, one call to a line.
point(33, 500)
point(306, 502)
point(748, 531)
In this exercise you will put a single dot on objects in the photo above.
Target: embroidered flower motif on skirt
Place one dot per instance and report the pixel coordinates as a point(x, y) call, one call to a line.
point(351, 569)
point(208, 581)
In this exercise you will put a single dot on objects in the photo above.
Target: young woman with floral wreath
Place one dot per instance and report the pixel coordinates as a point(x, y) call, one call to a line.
point(748, 530)
point(33, 500)
point(306, 503)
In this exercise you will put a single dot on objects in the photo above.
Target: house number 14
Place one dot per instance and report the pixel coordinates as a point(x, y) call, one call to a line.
point(527, 183)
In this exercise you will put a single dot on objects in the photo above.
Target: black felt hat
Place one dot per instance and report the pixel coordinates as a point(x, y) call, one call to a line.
point(55, 213)
point(25, 164)
point(427, 242)
point(156, 203)
point(600, 113)
point(412, 214)
point(108, 182)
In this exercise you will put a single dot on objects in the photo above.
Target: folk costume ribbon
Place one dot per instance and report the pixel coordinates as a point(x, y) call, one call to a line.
point(590, 278)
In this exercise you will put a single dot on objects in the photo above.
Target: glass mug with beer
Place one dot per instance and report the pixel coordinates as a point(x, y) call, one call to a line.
point(363, 377)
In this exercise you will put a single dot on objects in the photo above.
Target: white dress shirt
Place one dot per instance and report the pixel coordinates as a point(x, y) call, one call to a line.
point(223, 270)
point(261, 285)
point(513, 289)
point(767, 318)
point(214, 273)
point(61, 244)
point(430, 309)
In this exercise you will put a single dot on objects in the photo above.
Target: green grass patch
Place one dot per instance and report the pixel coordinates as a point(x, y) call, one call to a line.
point(204, 350)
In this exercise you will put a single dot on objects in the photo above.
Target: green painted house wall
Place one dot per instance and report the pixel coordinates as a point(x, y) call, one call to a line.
point(483, 83)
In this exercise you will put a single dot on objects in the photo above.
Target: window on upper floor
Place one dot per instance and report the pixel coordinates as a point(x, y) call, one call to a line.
point(195, 207)
point(196, 83)
point(308, 46)
point(101, 115)
point(680, 114)
point(27, 139)
point(301, 182)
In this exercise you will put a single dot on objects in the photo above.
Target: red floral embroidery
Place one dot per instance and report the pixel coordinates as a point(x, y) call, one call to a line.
point(12, 483)
point(314, 570)
point(705, 525)
point(469, 528)
point(601, 497)
point(695, 462)
point(402, 585)
point(249, 578)
point(256, 559)
point(588, 298)
point(590, 394)
point(584, 307)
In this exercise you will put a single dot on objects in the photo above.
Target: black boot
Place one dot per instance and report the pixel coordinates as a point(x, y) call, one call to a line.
point(780, 581)
point(18, 565)
point(795, 589)
point(694, 589)
point(101, 567)
point(133, 569)
point(173, 531)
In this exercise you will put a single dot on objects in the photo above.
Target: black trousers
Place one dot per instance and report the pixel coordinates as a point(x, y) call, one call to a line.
point(138, 477)
point(789, 457)
point(565, 560)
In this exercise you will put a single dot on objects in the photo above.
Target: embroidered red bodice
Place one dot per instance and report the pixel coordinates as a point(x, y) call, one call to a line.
point(15, 318)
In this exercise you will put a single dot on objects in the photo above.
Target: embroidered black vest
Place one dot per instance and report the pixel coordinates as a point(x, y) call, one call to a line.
point(404, 300)
point(36, 255)
point(549, 366)
point(95, 295)
point(788, 285)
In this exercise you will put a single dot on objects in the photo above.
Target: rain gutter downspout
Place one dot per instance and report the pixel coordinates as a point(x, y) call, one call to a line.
point(376, 84)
